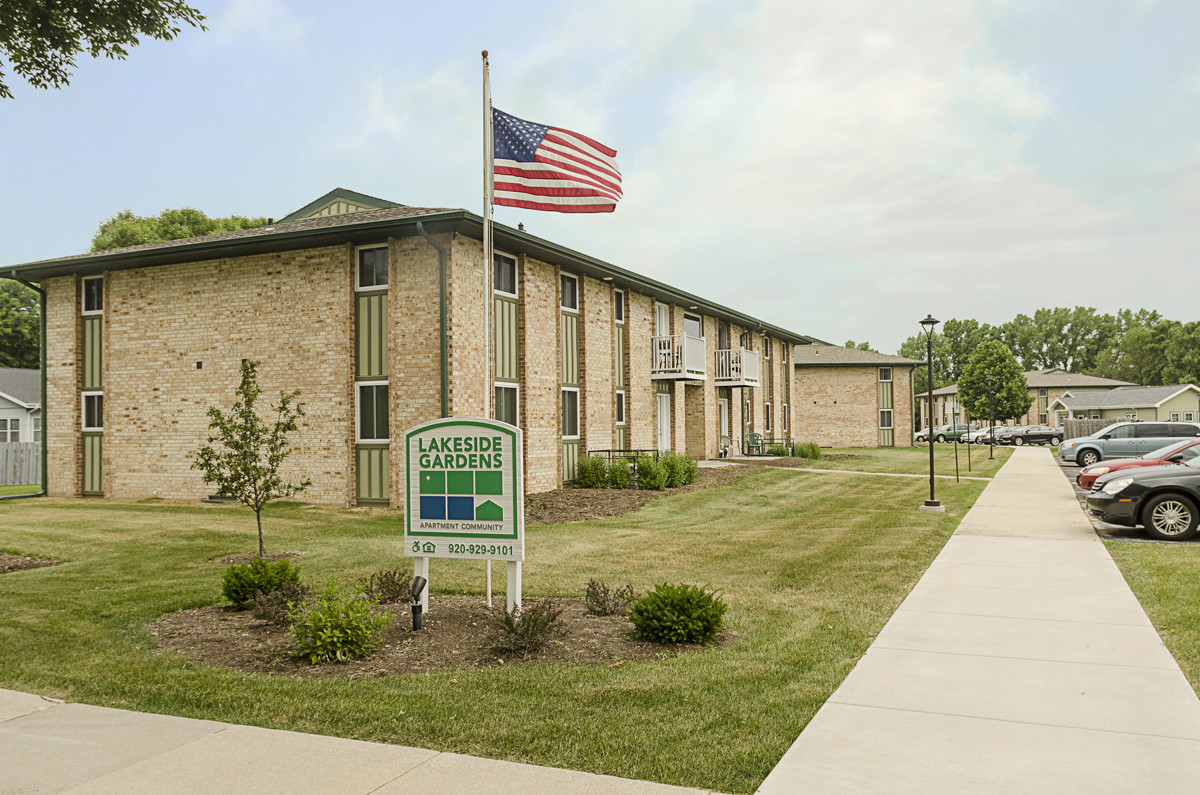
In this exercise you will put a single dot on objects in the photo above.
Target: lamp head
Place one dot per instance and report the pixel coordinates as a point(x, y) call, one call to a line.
point(929, 322)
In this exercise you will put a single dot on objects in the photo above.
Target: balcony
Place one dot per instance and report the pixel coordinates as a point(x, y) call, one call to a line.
point(737, 367)
point(678, 356)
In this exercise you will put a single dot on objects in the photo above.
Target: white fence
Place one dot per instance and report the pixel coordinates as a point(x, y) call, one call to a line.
point(20, 463)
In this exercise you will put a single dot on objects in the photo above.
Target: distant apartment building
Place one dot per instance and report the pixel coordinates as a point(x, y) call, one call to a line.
point(1045, 386)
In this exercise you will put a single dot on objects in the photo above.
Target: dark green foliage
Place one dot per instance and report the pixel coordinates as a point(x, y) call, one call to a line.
point(675, 467)
point(526, 630)
point(42, 39)
point(245, 464)
point(591, 472)
point(1012, 398)
point(389, 586)
point(273, 606)
point(126, 229)
point(618, 473)
point(337, 625)
point(806, 450)
point(650, 472)
point(678, 614)
point(777, 449)
point(603, 600)
point(241, 583)
point(20, 326)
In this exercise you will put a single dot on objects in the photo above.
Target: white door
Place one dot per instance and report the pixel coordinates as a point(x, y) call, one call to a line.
point(662, 320)
point(723, 413)
point(664, 421)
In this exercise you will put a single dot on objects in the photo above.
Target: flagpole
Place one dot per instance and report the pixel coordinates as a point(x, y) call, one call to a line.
point(487, 260)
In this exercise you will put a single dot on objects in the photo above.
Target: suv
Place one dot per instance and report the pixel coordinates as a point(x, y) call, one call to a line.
point(1125, 440)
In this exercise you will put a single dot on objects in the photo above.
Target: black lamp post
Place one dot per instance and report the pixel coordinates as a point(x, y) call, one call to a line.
point(928, 323)
point(991, 381)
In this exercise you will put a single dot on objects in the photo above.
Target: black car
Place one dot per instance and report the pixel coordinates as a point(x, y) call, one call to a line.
point(1162, 499)
point(1005, 433)
point(1035, 434)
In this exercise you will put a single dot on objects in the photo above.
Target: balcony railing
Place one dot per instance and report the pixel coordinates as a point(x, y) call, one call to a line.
point(737, 367)
point(677, 356)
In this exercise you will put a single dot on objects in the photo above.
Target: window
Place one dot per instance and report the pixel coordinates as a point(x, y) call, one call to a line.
point(1132, 416)
point(1151, 430)
point(4, 431)
point(372, 268)
point(620, 408)
point(14, 430)
point(37, 428)
point(504, 272)
point(93, 295)
point(570, 413)
point(1174, 416)
point(1042, 392)
point(885, 419)
point(506, 404)
point(1187, 416)
point(783, 349)
point(93, 411)
point(693, 326)
point(766, 347)
point(570, 292)
point(619, 306)
point(885, 374)
point(373, 412)
point(784, 418)
point(1095, 416)
point(767, 417)
point(1121, 432)
point(1043, 418)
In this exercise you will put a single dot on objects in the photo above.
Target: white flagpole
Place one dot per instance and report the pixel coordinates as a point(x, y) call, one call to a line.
point(487, 260)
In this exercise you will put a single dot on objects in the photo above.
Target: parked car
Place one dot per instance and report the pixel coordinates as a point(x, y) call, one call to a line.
point(1125, 440)
point(1004, 434)
point(1036, 434)
point(951, 433)
point(1162, 499)
point(1174, 453)
point(980, 436)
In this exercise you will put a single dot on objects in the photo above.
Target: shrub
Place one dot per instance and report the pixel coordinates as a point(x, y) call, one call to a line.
point(807, 450)
point(273, 606)
point(602, 600)
point(777, 450)
point(618, 473)
point(242, 582)
point(678, 614)
point(691, 468)
point(591, 472)
point(651, 474)
point(337, 625)
point(525, 630)
point(389, 586)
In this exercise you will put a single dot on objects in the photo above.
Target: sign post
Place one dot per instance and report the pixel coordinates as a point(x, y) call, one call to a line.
point(464, 496)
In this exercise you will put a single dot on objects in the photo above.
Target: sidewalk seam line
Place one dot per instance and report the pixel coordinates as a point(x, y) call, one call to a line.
point(1030, 659)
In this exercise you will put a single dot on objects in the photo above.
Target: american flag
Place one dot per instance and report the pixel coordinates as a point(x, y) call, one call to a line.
point(548, 168)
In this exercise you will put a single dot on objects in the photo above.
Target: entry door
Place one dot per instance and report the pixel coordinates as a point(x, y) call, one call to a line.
point(664, 421)
point(723, 414)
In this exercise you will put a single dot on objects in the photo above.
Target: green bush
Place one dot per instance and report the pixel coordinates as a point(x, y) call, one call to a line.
point(591, 472)
point(675, 468)
point(777, 450)
point(691, 468)
point(618, 473)
point(678, 614)
point(603, 600)
point(273, 606)
point(524, 631)
point(807, 450)
point(389, 586)
point(242, 582)
point(337, 625)
point(651, 474)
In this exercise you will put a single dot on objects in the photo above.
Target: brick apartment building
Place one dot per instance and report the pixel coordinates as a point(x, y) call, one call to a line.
point(853, 398)
point(346, 300)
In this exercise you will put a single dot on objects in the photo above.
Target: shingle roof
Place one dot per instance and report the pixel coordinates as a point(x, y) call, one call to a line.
point(24, 385)
point(1125, 397)
point(837, 356)
point(1049, 377)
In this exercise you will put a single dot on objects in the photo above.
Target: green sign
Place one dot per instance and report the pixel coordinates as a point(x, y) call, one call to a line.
point(464, 490)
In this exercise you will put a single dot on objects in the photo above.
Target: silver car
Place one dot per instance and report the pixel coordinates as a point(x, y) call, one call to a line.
point(1125, 440)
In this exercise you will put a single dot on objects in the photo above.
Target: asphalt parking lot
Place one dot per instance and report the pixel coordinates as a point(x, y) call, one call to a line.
point(1111, 532)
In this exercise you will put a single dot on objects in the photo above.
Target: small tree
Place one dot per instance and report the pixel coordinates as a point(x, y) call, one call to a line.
point(1011, 389)
point(245, 466)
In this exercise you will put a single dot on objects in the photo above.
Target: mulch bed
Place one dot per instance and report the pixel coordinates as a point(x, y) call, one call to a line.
point(20, 562)
point(454, 637)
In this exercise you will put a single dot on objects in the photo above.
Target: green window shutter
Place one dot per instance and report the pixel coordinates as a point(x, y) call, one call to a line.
point(570, 349)
point(371, 348)
point(371, 473)
point(570, 459)
point(93, 365)
point(93, 464)
point(619, 358)
point(506, 341)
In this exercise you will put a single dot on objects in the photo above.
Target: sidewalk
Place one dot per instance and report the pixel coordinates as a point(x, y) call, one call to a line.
point(49, 746)
point(1021, 662)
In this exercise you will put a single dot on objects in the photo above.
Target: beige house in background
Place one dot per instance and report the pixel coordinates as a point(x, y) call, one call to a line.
point(851, 398)
point(1178, 403)
point(1045, 386)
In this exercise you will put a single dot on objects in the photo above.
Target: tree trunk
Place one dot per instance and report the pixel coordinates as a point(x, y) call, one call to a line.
point(258, 516)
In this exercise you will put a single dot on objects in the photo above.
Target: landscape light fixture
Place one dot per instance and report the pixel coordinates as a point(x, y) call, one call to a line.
point(928, 323)
point(418, 585)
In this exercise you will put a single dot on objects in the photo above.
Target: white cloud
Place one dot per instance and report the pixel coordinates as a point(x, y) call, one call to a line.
point(264, 21)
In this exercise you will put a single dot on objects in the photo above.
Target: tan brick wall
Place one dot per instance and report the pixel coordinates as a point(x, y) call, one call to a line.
point(596, 392)
point(902, 412)
point(838, 406)
point(541, 373)
point(640, 396)
point(62, 421)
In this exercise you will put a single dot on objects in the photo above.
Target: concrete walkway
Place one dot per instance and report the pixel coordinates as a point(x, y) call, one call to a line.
point(49, 746)
point(1021, 662)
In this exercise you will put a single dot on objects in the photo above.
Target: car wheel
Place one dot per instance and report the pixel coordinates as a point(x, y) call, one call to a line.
point(1018, 441)
point(940, 438)
point(1087, 458)
point(1170, 517)
point(1053, 441)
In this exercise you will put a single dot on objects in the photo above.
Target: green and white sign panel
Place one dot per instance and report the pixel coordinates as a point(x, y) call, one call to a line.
point(463, 490)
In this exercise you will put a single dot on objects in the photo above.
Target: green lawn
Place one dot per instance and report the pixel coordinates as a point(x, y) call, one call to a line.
point(812, 565)
point(915, 460)
point(33, 489)
point(1166, 580)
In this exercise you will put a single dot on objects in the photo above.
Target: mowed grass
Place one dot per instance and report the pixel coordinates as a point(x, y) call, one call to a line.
point(32, 489)
point(812, 565)
point(1166, 580)
point(915, 460)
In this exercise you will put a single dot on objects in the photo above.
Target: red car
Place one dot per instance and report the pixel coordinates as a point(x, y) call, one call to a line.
point(1174, 453)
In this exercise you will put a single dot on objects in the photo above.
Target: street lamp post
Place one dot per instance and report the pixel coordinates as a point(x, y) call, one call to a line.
point(991, 381)
point(928, 323)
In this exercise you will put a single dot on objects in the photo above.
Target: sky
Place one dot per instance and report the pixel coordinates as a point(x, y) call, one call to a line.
point(838, 169)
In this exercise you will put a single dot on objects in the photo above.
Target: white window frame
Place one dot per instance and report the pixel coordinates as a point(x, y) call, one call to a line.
point(516, 281)
point(358, 385)
point(883, 380)
point(891, 419)
point(83, 297)
point(578, 418)
point(1095, 416)
point(1188, 416)
point(619, 301)
point(766, 416)
point(4, 429)
point(783, 350)
point(375, 288)
point(83, 396)
point(621, 407)
point(658, 330)
point(562, 295)
point(1174, 416)
point(37, 427)
point(516, 388)
point(698, 318)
